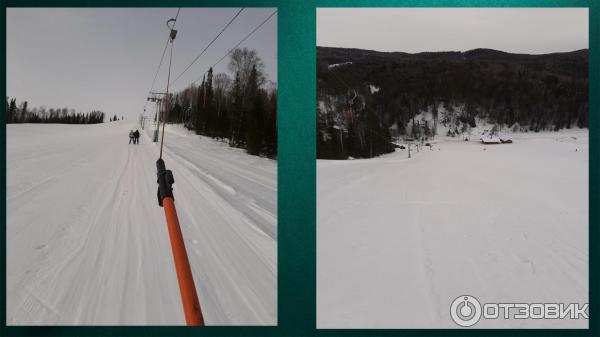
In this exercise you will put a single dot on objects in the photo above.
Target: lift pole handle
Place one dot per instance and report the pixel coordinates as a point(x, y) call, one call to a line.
point(187, 289)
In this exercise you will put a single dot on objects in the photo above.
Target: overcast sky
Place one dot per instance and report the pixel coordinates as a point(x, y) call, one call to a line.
point(105, 59)
point(518, 30)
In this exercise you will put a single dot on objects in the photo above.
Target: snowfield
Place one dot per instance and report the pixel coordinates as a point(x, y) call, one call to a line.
point(87, 243)
point(399, 239)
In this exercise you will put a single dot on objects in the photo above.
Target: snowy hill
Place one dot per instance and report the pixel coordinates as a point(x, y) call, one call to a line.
point(87, 243)
point(399, 239)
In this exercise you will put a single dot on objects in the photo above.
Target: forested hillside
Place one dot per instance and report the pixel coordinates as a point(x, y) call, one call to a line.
point(367, 97)
point(240, 107)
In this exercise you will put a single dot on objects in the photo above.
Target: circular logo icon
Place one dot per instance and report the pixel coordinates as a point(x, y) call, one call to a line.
point(465, 310)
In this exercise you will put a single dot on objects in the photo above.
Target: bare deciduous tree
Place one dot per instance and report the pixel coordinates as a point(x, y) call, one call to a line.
point(242, 60)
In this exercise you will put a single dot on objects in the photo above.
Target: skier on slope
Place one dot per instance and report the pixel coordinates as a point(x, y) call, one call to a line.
point(136, 134)
point(131, 135)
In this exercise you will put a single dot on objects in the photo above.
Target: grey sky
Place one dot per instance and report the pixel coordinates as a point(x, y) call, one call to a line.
point(519, 30)
point(105, 59)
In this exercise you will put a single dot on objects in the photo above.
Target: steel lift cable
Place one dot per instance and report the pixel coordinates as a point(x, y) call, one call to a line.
point(157, 70)
point(207, 46)
point(161, 61)
point(237, 45)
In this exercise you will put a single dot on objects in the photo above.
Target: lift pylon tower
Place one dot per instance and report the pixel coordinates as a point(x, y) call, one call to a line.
point(156, 97)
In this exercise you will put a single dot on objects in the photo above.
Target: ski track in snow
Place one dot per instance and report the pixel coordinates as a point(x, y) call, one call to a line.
point(399, 239)
point(87, 242)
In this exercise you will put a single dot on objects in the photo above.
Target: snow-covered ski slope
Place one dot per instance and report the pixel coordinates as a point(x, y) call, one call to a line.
point(399, 239)
point(88, 244)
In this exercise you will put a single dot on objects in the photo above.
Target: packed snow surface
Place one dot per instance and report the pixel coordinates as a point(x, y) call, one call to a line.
point(88, 244)
point(399, 239)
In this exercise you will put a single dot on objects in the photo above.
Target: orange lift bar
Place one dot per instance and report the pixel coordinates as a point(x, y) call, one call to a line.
point(189, 297)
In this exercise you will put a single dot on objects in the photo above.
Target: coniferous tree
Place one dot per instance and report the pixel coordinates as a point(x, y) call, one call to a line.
point(221, 84)
point(200, 122)
point(208, 105)
point(6, 108)
point(236, 113)
point(253, 118)
point(23, 115)
point(271, 125)
point(12, 111)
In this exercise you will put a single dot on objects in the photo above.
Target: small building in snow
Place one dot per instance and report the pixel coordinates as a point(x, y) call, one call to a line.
point(493, 140)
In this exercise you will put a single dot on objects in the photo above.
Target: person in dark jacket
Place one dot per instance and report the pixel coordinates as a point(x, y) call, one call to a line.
point(136, 134)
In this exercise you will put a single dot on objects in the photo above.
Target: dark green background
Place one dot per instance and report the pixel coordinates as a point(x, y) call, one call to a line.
point(297, 172)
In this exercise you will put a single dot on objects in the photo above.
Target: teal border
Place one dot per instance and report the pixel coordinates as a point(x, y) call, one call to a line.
point(297, 170)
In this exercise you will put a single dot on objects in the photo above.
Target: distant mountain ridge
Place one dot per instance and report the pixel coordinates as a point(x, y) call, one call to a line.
point(325, 52)
point(333, 55)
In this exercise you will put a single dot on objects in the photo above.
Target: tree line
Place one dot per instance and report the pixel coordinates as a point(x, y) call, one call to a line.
point(239, 107)
point(523, 92)
point(22, 114)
